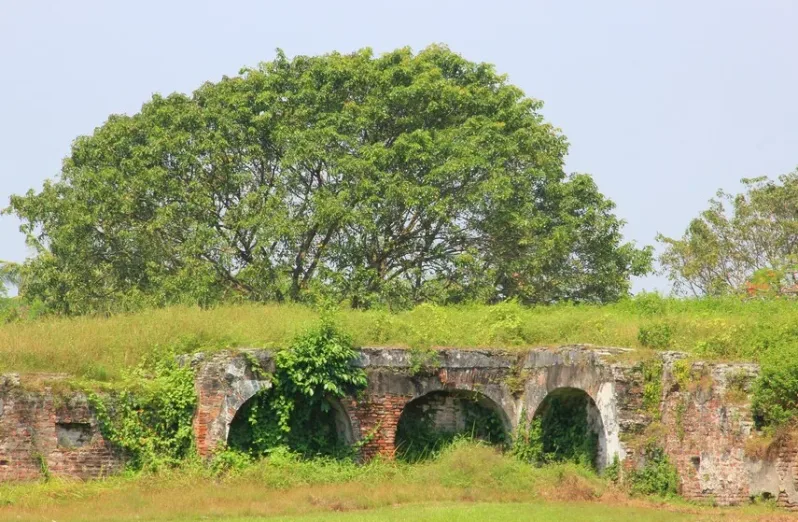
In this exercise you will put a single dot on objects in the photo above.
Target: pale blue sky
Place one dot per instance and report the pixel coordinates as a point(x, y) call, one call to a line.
point(663, 102)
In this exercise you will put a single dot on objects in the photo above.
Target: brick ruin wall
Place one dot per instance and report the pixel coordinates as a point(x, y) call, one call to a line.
point(42, 432)
point(705, 426)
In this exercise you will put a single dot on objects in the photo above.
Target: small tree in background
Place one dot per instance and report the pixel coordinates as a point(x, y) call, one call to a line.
point(743, 243)
point(392, 180)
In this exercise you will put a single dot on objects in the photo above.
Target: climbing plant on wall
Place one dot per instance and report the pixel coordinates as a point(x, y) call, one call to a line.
point(148, 417)
point(297, 411)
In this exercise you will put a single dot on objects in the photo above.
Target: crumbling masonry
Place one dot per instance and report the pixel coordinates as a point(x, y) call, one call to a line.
point(702, 418)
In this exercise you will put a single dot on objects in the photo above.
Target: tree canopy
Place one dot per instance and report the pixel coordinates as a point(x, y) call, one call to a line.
point(375, 180)
point(746, 242)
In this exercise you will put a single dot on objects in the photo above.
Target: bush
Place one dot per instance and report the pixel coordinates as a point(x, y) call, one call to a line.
point(652, 385)
point(655, 335)
point(149, 416)
point(528, 441)
point(559, 432)
point(296, 412)
point(775, 391)
point(657, 477)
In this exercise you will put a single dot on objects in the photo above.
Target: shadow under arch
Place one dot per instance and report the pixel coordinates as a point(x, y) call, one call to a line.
point(317, 428)
point(433, 419)
point(571, 427)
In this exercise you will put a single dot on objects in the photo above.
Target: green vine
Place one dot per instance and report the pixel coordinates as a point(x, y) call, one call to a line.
point(652, 385)
point(149, 417)
point(297, 410)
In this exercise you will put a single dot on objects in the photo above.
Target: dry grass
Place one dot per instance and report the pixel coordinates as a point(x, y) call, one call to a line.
point(464, 475)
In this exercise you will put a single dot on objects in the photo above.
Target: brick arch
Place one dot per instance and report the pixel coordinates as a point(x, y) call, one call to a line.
point(444, 393)
point(245, 391)
point(602, 412)
point(377, 412)
point(594, 420)
point(212, 422)
point(224, 382)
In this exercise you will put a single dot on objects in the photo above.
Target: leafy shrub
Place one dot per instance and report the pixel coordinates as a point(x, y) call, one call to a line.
point(648, 303)
point(229, 460)
point(682, 373)
point(657, 477)
point(775, 391)
point(297, 412)
point(150, 415)
point(504, 323)
point(736, 383)
point(657, 335)
point(559, 432)
point(528, 441)
point(613, 471)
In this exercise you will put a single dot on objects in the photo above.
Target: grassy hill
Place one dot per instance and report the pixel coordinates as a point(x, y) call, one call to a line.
point(100, 348)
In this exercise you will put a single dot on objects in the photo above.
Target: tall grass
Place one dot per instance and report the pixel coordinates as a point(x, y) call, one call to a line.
point(99, 348)
point(283, 485)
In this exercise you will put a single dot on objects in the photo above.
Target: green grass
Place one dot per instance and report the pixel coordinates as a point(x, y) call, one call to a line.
point(448, 512)
point(539, 512)
point(100, 348)
point(465, 482)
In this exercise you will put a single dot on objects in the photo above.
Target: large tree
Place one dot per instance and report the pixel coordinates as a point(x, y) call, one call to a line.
point(393, 179)
point(742, 242)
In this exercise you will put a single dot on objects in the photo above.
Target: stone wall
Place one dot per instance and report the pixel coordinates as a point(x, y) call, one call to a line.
point(702, 419)
point(706, 427)
point(43, 432)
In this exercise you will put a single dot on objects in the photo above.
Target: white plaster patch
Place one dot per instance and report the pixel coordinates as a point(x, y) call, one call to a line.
point(610, 444)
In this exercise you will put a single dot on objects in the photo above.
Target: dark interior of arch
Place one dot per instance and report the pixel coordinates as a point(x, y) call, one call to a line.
point(434, 420)
point(569, 426)
point(317, 427)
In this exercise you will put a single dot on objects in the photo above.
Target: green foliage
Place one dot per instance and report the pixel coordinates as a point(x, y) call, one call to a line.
point(376, 180)
point(528, 441)
point(682, 373)
point(559, 432)
point(652, 385)
point(613, 471)
point(10, 275)
point(423, 360)
point(655, 335)
point(774, 399)
point(657, 477)
point(504, 323)
point(418, 438)
point(743, 243)
point(229, 461)
point(44, 468)
point(297, 412)
point(149, 416)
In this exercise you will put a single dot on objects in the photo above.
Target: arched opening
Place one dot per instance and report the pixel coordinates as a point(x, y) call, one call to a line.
point(569, 428)
point(435, 419)
point(317, 428)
